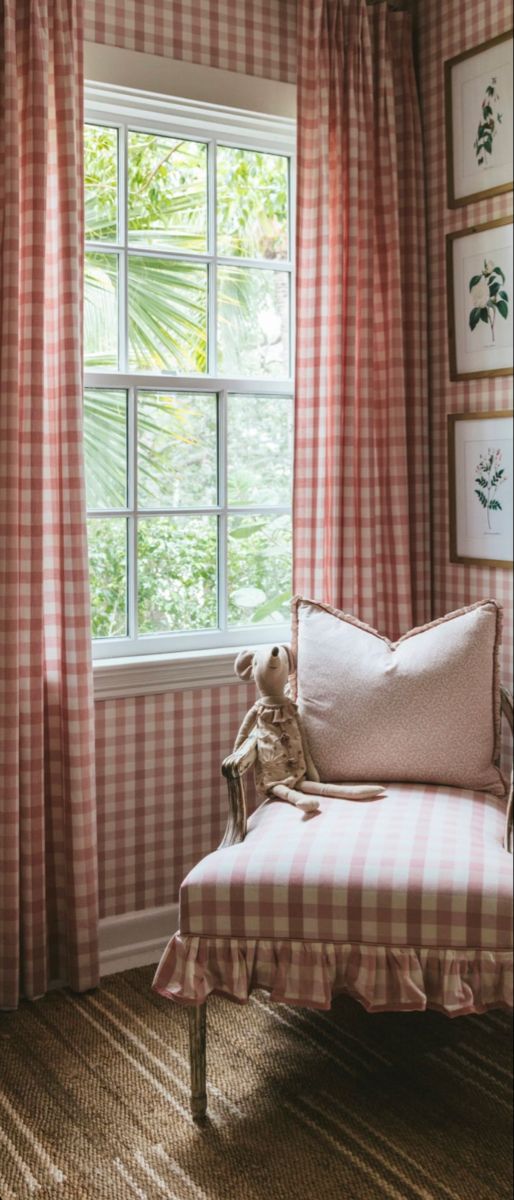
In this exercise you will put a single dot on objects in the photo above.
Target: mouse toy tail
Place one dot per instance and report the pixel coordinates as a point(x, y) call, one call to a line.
point(343, 791)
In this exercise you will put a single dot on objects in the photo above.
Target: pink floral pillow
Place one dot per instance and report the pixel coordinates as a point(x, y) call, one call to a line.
point(425, 709)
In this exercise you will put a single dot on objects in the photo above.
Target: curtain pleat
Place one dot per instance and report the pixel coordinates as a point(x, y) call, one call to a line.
point(361, 498)
point(48, 858)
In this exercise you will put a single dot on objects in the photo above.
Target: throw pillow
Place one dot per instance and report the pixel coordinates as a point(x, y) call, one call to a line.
point(423, 709)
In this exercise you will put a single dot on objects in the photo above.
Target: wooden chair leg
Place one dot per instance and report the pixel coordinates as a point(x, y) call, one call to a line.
point(197, 1024)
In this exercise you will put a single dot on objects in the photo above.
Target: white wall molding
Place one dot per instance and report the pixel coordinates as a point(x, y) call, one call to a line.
point(142, 676)
point(192, 81)
point(118, 678)
point(135, 939)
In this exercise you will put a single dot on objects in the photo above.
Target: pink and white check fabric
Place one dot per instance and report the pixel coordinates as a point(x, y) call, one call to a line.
point(148, 748)
point(48, 860)
point(255, 37)
point(361, 500)
point(404, 902)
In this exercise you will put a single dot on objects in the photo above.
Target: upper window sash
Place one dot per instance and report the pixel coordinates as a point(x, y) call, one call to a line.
point(128, 109)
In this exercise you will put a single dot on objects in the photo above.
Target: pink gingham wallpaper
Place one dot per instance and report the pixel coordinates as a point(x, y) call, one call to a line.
point(255, 37)
point(162, 802)
point(446, 28)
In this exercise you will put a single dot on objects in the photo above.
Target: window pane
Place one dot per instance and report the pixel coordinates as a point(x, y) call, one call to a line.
point(177, 450)
point(253, 323)
point(167, 185)
point(107, 539)
point(101, 181)
point(259, 569)
point(260, 437)
point(101, 310)
point(105, 439)
point(177, 562)
point(167, 316)
point(252, 196)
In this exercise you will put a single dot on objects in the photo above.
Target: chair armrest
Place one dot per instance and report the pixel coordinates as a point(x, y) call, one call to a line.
point(233, 768)
point(241, 759)
point(507, 709)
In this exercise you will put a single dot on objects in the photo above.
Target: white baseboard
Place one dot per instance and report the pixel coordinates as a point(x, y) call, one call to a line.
point(135, 939)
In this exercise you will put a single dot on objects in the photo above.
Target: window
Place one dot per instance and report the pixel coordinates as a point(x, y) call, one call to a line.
point(188, 385)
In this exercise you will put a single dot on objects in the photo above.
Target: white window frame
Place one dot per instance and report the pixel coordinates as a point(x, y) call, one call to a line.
point(127, 109)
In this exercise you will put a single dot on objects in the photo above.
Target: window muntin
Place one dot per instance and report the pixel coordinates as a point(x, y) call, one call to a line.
point(184, 552)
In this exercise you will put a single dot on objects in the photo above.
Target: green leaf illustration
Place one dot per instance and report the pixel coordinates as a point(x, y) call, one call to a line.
point(481, 497)
point(497, 302)
point(486, 128)
point(495, 504)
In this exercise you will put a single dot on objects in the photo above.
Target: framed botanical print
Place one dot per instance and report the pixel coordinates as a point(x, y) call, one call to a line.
point(480, 300)
point(480, 470)
point(478, 103)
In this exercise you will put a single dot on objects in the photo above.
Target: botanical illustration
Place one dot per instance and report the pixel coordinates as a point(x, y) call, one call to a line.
point(490, 118)
point(490, 475)
point(489, 297)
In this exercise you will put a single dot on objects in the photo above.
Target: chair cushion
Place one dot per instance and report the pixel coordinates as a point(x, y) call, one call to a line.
point(424, 866)
point(425, 708)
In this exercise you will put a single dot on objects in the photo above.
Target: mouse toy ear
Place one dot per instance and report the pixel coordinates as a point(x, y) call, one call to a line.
point(291, 659)
point(243, 665)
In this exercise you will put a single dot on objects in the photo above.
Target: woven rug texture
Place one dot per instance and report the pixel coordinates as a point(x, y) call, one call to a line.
point(94, 1101)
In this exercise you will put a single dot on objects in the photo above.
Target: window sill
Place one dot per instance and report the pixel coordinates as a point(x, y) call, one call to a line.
point(142, 676)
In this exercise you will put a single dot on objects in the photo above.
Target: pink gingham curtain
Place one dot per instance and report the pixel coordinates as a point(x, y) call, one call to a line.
point(48, 865)
point(361, 505)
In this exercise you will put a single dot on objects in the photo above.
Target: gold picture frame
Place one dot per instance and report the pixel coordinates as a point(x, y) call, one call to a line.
point(475, 352)
point(478, 119)
point(480, 487)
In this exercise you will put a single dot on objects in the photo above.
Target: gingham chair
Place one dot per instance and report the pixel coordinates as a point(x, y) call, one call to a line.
point(404, 904)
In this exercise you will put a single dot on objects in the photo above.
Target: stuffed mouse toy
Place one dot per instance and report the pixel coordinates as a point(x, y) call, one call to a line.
point(284, 765)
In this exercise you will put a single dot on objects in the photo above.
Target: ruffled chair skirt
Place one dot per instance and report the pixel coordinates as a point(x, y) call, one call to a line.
point(311, 974)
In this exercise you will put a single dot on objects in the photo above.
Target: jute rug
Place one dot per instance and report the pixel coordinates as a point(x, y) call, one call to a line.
point(303, 1106)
